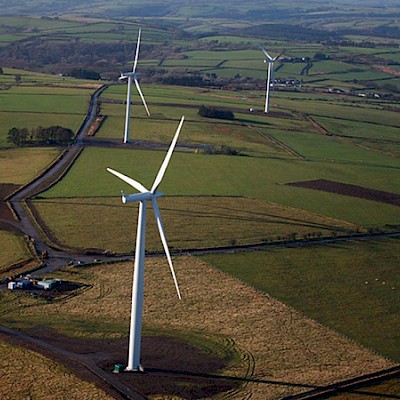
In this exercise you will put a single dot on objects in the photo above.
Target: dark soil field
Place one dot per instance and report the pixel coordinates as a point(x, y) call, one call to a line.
point(346, 189)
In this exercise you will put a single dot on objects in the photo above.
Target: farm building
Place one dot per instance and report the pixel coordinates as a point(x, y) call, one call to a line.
point(48, 284)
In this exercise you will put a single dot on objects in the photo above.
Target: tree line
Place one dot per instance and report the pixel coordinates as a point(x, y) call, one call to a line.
point(53, 135)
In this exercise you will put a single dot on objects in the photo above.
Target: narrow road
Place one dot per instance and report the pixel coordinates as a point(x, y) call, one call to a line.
point(56, 258)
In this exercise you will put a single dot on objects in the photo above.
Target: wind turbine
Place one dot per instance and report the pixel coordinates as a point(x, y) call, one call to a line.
point(143, 197)
point(132, 76)
point(270, 78)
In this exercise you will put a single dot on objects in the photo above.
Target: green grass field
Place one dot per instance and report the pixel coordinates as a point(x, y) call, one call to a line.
point(224, 200)
point(351, 287)
point(259, 178)
point(13, 250)
point(41, 100)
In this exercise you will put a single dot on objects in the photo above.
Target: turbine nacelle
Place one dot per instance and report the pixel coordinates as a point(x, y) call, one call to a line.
point(130, 198)
point(127, 75)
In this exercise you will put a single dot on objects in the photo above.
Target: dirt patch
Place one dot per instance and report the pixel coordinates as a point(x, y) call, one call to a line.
point(173, 366)
point(25, 374)
point(96, 125)
point(346, 189)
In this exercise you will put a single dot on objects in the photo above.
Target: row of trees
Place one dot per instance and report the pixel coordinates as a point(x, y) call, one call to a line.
point(53, 135)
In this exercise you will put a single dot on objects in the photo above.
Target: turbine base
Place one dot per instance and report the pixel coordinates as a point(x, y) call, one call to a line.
point(139, 369)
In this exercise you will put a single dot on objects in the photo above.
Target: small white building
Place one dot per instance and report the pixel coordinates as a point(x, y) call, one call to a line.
point(48, 284)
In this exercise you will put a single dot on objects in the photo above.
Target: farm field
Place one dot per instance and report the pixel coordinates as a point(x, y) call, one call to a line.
point(236, 176)
point(14, 249)
point(41, 100)
point(210, 299)
point(194, 222)
point(20, 165)
point(351, 287)
point(322, 164)
point(50, 380)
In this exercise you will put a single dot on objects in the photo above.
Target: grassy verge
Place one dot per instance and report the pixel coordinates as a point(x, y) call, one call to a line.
point(50, 380)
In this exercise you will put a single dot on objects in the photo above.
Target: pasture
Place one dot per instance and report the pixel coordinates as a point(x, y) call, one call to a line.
point(41, 100)
point(214, 306)
point(351, 287)
point(253, 177)
point(193, 222)
point(19, 166)
point(51, 380)
point(219, 200)
point(14, 250)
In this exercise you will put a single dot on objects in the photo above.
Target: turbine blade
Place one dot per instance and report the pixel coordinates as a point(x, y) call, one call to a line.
point(141, 96)
point(164, 242)
point(137, 52)
point(164, 165)
point(138, 186)
point(265, 52)
point(275, 58)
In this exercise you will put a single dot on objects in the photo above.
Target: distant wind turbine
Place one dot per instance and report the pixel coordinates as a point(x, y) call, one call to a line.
point(132, 76)
point(270, 78)
point(143, 197)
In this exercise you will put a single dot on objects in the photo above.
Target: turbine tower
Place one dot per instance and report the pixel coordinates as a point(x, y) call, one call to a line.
point(132, 76)
point(270, 77)
point(143, 197)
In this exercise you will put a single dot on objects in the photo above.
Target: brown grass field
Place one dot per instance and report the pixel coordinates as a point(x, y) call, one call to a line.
point(279, 351)
point(28, 375)
point(19, 166)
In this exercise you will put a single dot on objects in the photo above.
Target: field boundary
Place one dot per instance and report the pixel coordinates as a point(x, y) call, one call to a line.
point(347, 386)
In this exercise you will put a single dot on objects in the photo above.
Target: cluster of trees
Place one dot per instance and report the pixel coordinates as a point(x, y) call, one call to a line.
point(212, 112)
point(225, 150)
point(82, 73)
point(53, 135)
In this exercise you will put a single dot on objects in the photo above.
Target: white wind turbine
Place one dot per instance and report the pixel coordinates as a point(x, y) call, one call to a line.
point(143, 197)
point(270, 78)
point(132, 76)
